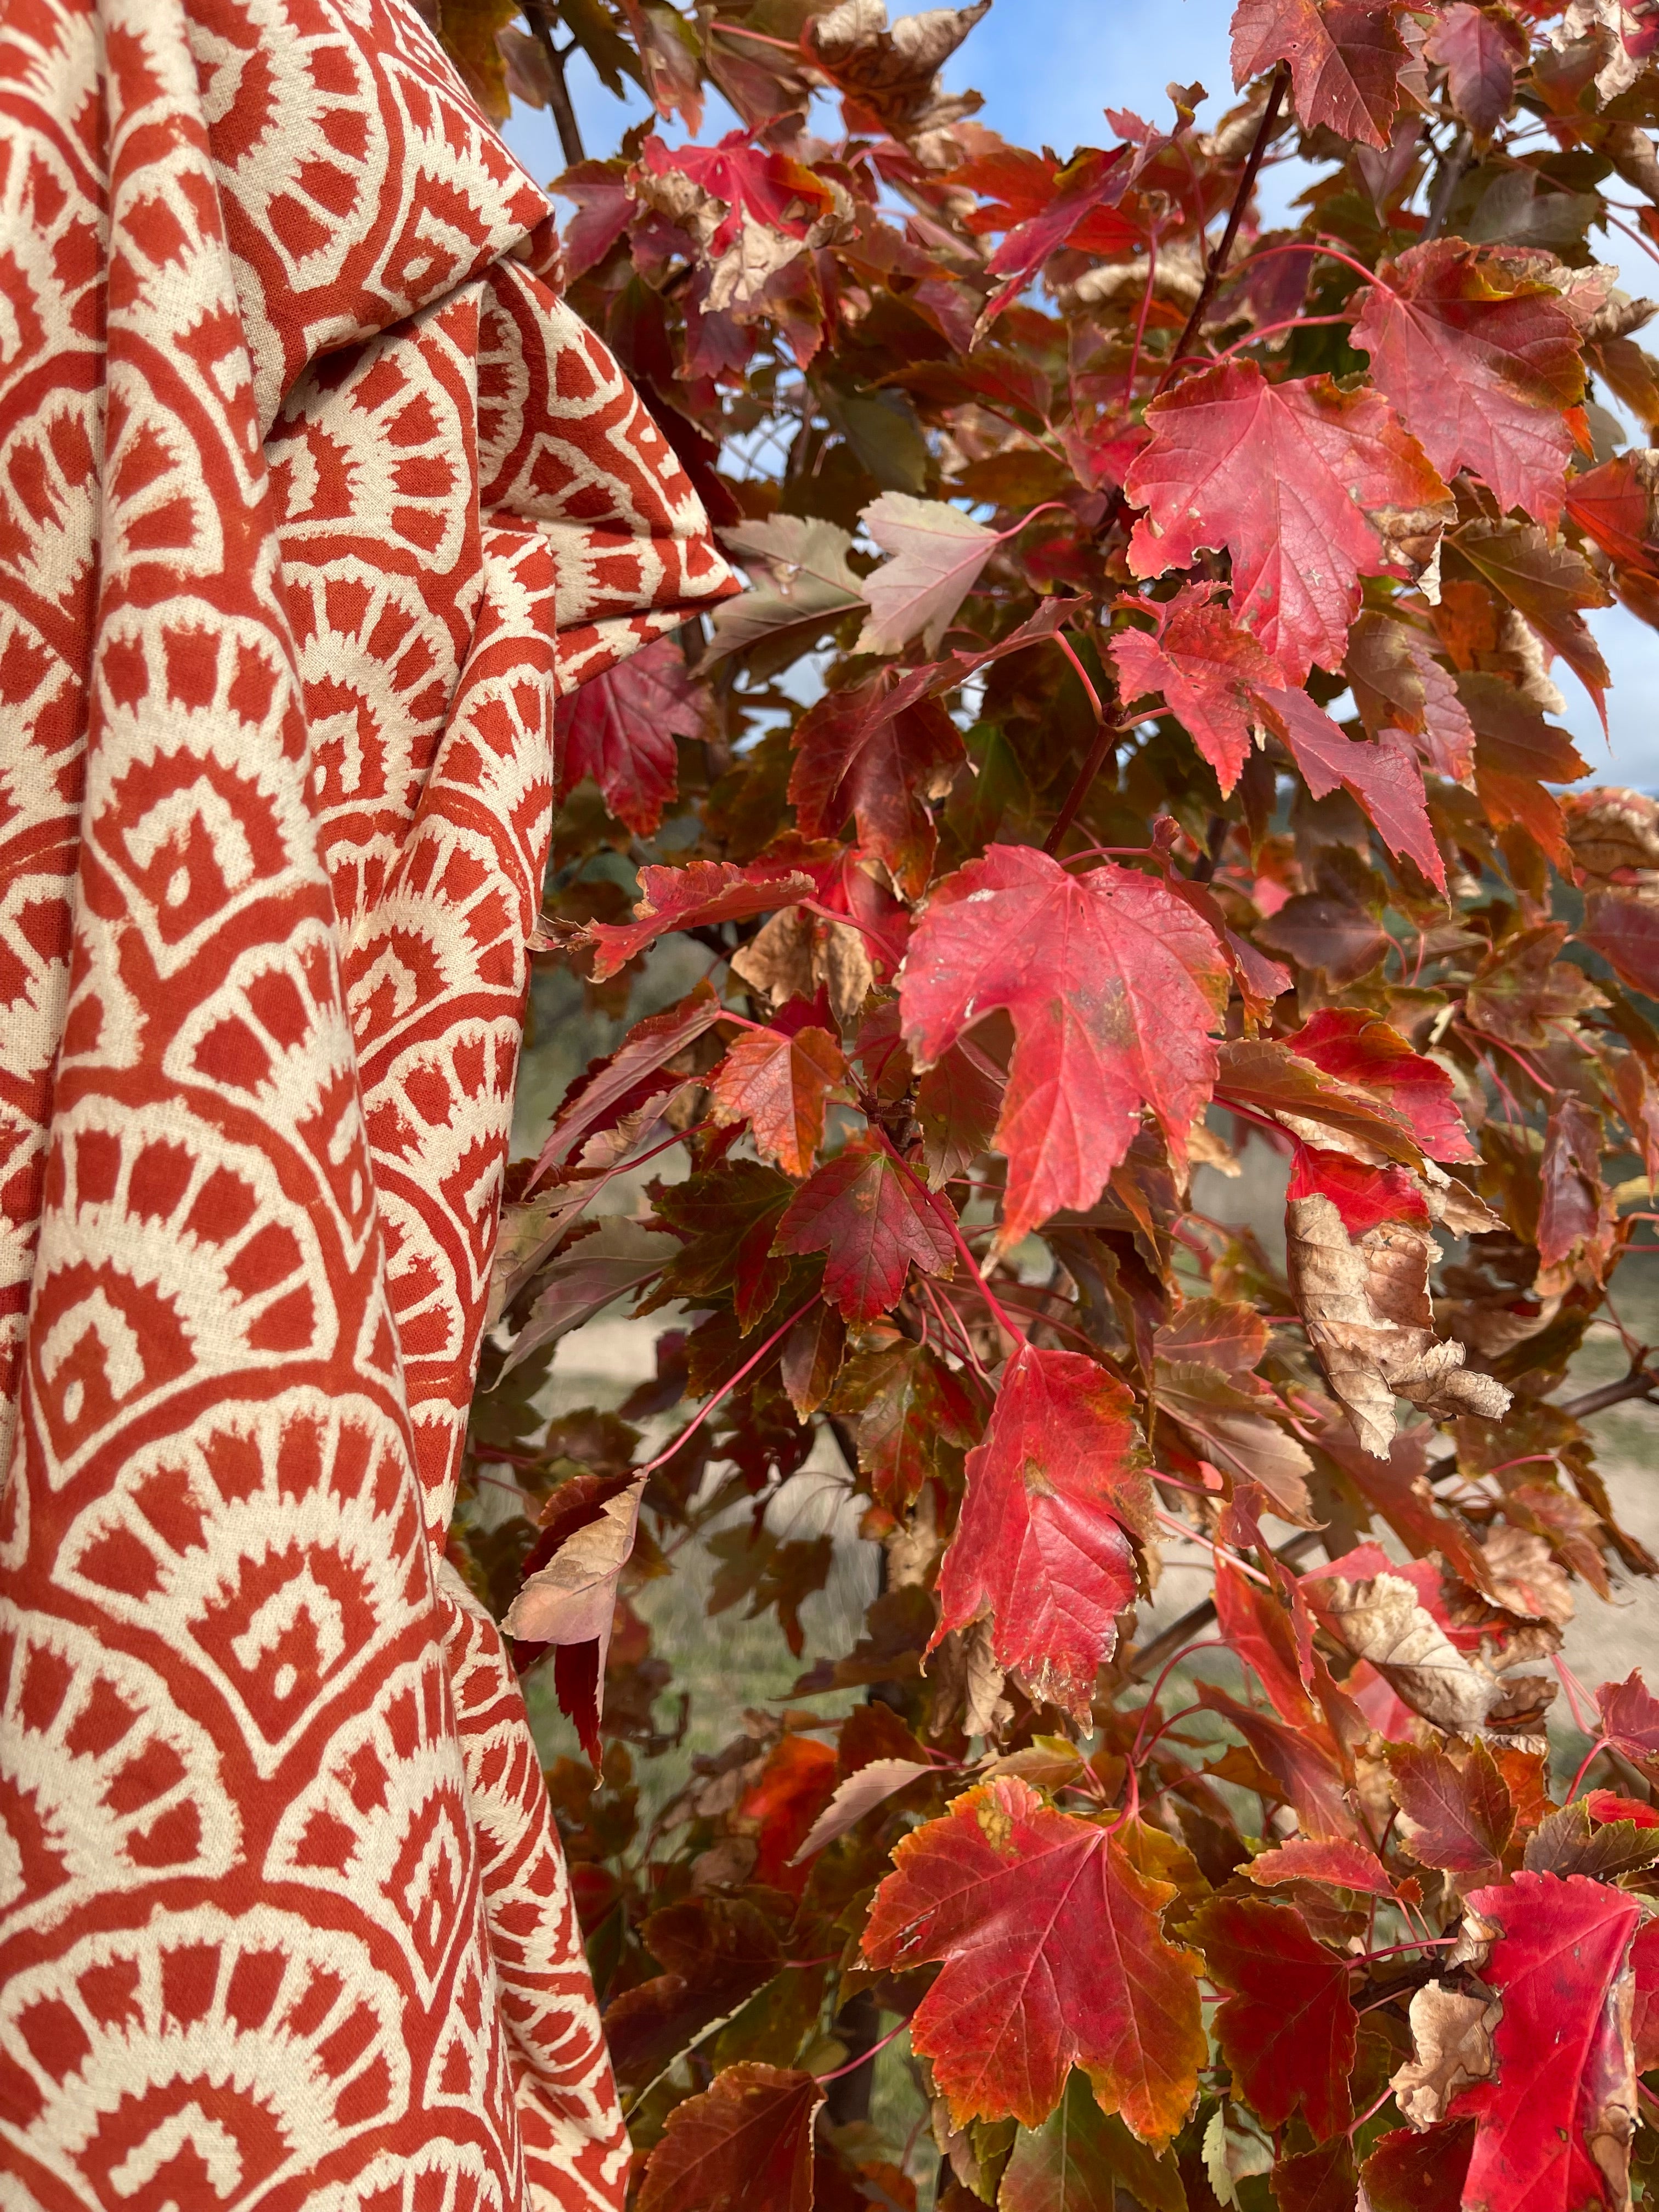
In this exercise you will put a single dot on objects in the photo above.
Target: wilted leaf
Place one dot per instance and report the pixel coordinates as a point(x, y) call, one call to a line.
point(1041, 1542)
point(570, 1600)
point(1366, 1304)
point(1451, 2047)
point(1053, 1955)
point(1381, 1622)
point(938, 552)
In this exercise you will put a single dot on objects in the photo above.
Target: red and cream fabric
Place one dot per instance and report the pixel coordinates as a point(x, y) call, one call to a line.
point(311, 495)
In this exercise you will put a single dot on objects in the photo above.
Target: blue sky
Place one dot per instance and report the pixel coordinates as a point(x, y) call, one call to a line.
point(1047, 70)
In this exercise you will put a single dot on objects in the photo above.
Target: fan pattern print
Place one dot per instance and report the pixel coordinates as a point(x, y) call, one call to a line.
point(311, 496)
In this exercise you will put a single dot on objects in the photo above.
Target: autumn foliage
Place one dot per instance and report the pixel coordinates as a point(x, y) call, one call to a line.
point(1178, 606)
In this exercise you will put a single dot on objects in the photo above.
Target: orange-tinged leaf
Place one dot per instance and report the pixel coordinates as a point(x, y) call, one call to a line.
point(1335, 1864)
point(795, 1784)
point(1053, 1954)
point(1299, 481)
point(686, 898)
point(1287, 2026)
point(1454, 1812)
point(780, 1085)
point(1112, 982)
point(1476, 349)
point(1041, 1539)
point(743, 2145)
point(870, 1219)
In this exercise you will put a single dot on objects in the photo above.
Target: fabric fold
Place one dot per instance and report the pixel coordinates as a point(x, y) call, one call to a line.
point(313, 496)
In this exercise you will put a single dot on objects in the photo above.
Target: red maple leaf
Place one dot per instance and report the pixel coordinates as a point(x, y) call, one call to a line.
point(1561, 2097)
point(1053, 1954)
point(1454, 1814)
point(1474, 348)
point(620, 729)
point(1112, 982)
point(871, 1219)
point(636, 1072)
point(746, 2140)
point(1287, 2027)
point(686, 898)
point(768, 187)
point(1042, 1537)
point(1644, 2019)
point(1358, 1047)
point(1381, 776)
point(1345, 60)
point(1630, 1719)
point(1288, 477)
point(1206, 666)
point(870, 753)
point(779, 1085)
point(1363, 1196)
point(1479, 49)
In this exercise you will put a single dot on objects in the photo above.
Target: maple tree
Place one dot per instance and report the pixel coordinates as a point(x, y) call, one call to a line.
point(1136, 752)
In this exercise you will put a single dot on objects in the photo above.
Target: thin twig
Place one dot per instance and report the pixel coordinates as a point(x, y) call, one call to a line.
point(1218, 261)
point(1451, 175)
point(1640, 1383)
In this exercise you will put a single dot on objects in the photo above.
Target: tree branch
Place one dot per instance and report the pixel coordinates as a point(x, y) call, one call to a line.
point(1640, 1383)
point(1218, 262)
point(564, 113)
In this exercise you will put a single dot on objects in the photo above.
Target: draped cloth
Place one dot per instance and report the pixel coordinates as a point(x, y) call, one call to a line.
point(312, 496)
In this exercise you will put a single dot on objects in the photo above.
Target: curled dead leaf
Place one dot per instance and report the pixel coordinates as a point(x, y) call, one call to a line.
point(1451, 2046)
point(1365, 1301)
point(1380, 1619)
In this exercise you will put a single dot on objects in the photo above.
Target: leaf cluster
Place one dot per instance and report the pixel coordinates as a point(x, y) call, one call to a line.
point(1134, 763)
